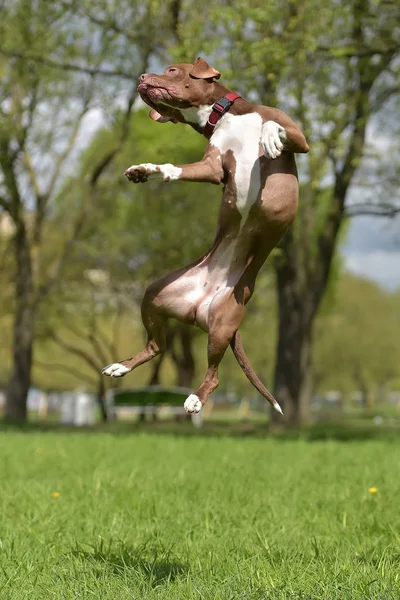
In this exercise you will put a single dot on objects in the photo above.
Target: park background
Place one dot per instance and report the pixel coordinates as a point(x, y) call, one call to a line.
point(78, 246)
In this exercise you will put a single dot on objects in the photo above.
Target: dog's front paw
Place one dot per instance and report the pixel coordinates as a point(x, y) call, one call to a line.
point(273, 138)
point(141, 173)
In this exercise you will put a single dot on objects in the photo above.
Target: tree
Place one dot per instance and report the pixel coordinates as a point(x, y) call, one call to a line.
point(46, 92)
point(356, 345)
point(308, 250)
point(332, 73)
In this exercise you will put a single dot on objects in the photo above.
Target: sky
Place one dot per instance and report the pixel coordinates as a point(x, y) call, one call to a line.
point(372, 244)
point(372, 249)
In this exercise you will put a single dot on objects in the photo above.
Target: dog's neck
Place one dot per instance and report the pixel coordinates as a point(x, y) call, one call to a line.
point(197, 116)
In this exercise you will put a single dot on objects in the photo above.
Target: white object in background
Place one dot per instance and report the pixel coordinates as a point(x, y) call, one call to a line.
point(67, 408)
point(84, 409)
point(197, 419)
point(43, 405)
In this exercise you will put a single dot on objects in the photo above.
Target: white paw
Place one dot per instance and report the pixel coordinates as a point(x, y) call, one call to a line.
point(115, 370)
point(192, 404)
point(273, 138)
point(148, 166)
point(145, 170)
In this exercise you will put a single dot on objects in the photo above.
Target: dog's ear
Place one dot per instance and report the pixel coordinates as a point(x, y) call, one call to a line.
point(202, 70)
point(156, 116)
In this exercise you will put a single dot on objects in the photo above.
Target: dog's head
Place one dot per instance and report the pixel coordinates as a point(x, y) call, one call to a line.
point(180, 87)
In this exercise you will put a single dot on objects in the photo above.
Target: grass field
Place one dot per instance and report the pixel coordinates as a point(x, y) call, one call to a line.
point(115, 517)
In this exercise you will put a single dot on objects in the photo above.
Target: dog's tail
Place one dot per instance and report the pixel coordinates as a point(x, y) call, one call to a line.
point(241, 357)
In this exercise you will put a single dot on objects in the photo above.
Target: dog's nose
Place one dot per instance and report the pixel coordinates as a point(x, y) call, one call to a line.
point(142, 77)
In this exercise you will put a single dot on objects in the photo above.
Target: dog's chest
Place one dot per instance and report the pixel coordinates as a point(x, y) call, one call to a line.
point(238, 140)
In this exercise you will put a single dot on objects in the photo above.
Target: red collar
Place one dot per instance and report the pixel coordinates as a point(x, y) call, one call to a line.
point(218, 110)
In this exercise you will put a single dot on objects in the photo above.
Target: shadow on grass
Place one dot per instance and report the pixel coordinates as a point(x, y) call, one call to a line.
point(156, 567)
point(346, 430)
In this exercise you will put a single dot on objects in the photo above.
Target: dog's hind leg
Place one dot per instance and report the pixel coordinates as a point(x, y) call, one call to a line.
point(154, 323)
point(165, 297)
point(224, 320)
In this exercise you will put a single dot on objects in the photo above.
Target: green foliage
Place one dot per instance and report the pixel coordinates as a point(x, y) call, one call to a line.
point(356, 343)
point(150, 228)
point(317, 69)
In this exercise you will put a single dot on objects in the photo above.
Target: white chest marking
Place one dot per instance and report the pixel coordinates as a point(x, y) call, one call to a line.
point(242, 134)
point(197, 115)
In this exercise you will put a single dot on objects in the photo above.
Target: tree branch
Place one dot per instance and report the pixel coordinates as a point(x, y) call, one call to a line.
point(107, 159)
point(112, 25)
point(10, 181)
point(350, 51)
point(70, 370)
point(65, 66)
point(32, 177)
point(61, 158)
point(376, 210)
point(44, 289)
point(29, 120)
point(5, 204)
point(383, 97)
point(77, 351)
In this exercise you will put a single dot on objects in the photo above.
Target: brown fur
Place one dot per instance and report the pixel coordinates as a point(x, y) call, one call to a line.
point(209, 293)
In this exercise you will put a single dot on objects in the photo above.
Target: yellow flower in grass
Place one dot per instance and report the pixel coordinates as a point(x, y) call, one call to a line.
point(372, 490)
point(56, 494)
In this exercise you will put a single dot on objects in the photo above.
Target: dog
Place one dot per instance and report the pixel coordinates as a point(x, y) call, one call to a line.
point(251, 151)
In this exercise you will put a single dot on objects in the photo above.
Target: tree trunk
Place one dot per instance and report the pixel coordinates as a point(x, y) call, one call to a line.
point(183, 356)
point(101, 399)
point(185, 365)
point(20, 380)
point(366, 397)
point(156, 370)
point(293, 373)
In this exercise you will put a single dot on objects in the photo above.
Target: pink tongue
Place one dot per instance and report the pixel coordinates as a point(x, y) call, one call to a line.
point(153, 114)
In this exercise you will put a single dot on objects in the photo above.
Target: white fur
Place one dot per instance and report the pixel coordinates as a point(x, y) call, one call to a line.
point(273, 138)
point(148, 166)
point(192, 404)
point(168, 171)
point(197, 115)
point(115, 370)
point(241, 134)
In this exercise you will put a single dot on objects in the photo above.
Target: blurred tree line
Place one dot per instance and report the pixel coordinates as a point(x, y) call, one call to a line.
point(78, 243)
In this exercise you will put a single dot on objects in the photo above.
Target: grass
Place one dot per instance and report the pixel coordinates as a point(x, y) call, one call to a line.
point(139, 516)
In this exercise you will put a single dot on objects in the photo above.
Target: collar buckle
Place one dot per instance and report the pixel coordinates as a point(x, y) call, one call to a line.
point(222, 105)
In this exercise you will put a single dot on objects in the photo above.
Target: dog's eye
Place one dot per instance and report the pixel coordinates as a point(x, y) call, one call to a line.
point(172, 70)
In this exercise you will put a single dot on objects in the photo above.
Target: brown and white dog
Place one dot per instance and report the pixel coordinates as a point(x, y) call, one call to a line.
point(251, 151)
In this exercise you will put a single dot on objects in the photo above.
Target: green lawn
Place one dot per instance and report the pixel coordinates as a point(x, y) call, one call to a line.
point(147, 516)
